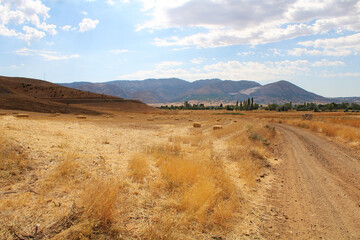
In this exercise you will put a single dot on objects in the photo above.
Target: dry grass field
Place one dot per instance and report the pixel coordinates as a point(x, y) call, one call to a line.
point(339, 126)
point(134, 176)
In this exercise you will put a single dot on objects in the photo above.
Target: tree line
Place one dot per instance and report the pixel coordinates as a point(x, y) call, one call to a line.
point(249, 105)
point(310, 106)
point(246, 105)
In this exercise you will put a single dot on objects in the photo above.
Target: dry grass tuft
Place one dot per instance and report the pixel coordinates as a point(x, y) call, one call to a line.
point(98, 201)
point(198, 186)
point(13, 160)
point(162, 228)
point(329, 130)
point(138, 167)
point(346, 129)
point(67, 168)
point(250, 152)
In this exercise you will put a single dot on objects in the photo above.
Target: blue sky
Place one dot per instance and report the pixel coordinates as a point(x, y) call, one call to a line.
point(314, 44)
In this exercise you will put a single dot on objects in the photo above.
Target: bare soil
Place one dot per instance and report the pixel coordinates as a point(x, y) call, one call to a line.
point(316, 193)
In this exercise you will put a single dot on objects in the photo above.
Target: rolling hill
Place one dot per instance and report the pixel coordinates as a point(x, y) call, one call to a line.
point(210, 90)
point(41, 96)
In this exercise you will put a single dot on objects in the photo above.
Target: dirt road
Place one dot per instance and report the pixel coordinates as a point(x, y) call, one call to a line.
point(317, 190)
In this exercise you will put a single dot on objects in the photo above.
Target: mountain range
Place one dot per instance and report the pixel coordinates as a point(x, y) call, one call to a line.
point(172, 90)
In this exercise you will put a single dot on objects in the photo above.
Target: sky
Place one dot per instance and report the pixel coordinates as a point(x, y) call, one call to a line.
point(311, 43)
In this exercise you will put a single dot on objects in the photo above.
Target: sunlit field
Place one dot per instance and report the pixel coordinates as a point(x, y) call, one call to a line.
point(172, 175)
point(340, 126)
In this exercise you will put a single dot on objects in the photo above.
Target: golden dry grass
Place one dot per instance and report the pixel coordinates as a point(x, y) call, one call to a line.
point(98, 200)
point(138, 167)
point(250, 151)
point(332, 128)
point(341, 126)
point(162, 179)
point(13, 160)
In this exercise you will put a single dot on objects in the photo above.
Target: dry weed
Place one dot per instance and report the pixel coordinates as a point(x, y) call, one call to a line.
point(138, 167)
point(250, 152)
point(345, 129)
point(98, 200)
point(197, 185)
point(13, 160)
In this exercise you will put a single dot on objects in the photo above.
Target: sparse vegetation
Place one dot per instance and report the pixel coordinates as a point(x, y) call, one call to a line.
point(346, 130)
point(310, 106)
point(164, 179)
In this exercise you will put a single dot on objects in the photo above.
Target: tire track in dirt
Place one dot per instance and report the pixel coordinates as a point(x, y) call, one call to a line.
point(317, 189)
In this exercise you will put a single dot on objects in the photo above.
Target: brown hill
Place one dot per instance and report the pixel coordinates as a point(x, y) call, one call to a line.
point(41, 96)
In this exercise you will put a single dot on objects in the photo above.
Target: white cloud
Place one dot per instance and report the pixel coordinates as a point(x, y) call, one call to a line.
point(326, 63)
point(87, 24)
point(31, 14)
point(346, 74)
point(168, 64)
point(68, 28)
point(342, 46)
point(14, 66)
point(244, 54)
point(198, 60)
point(304, 51)
point(182, 48)
point(31, 33)
point(257, 71)
point(229, 22)
point(119, 51)
point(47, 55)
point(276, 52)
point(110, 2)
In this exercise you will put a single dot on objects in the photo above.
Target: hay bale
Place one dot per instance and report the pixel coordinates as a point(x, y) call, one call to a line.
point(81, 117)
point(307, 116)
point(177, 119)
point(217, 127)
point(22, 115)
point(196, 125)
point(150, 119)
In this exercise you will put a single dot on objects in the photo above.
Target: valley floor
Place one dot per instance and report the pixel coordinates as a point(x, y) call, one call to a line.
point(156, 176)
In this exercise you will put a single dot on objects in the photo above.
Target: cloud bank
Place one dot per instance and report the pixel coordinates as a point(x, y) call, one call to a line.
point(234, 22)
